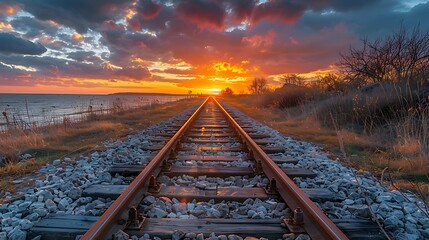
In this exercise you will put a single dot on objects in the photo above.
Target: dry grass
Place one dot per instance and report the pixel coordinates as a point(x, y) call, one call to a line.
point(305, 128)
point(57, 141)
point(404, 157)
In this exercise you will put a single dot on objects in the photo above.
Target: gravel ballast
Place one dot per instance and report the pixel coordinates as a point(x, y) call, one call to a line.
point(60, 189)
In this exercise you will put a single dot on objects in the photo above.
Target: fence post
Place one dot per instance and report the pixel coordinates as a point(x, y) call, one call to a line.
point(7, 119)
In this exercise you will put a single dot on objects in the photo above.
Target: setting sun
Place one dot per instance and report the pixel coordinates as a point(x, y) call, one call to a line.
point(214, 91)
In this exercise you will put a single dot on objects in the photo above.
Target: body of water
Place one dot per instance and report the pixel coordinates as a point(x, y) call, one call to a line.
point(47, 108)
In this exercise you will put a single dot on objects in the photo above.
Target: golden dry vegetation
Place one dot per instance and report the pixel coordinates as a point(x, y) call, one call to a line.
point(401, 160)
point(58, 141)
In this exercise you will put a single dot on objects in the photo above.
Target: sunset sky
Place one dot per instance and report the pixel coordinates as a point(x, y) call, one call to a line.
point(107, 46)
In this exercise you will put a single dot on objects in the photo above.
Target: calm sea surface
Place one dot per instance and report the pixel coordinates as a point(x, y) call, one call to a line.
point(43, 108)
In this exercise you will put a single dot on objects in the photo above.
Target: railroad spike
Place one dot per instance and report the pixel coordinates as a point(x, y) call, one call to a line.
point(257, 168)
point(135, 221)
point(166, 166)
point(154, 185)
point(271, 187)
point(173, 154)
point(298, 216)
point(295, 222)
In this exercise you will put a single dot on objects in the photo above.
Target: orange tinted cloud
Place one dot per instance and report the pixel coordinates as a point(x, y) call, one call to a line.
point(77, 38)
point(8, 9)
point(260, 40)
point(5, 26)
point(228, 68)
point(293, 41)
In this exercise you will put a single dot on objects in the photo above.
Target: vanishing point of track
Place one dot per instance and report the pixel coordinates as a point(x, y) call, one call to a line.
point(122, 214)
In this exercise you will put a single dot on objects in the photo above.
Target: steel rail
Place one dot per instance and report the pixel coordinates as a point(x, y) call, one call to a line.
point(107, 224)
point(316, 223)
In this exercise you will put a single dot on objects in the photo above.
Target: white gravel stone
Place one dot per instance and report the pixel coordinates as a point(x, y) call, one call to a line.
point(74, 193)
point(56, 162)
point(177, 235)
point(63, 204)
point(50, 205)
point(25, 224)
point(121, 235)
point(200, 236)
point(149, 200)
point(17, 234)
point(157, 213)
point(234, 237)
point(303, 237)
point(223, 237)
point(144, 237)
point(190, 235)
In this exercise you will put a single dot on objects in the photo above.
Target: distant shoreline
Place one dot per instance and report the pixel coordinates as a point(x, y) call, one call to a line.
point(137, 93)
point(98, 94)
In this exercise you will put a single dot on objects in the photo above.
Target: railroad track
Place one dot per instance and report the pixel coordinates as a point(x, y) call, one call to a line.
point(240, 191)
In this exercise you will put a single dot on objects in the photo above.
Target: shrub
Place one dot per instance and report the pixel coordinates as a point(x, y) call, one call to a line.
point(291, 96)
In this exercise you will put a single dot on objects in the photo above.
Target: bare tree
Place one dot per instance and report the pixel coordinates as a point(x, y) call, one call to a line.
point(332, 82)
point(293, 79)
point(402, 57)
point(258, 86)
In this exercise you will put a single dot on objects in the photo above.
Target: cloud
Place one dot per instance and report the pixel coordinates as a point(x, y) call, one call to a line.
point(78, 14)
point(148, 9)
point(11, 76)
point(353, 5)
point(286, 11)
point(260, 40)
point(242, 9)
point(8, 8)
point(138, 73)
point(11, 44)
point(77, 38)
point(175, 71)
point(85, 56)
point(33, 27)
point(204, 13)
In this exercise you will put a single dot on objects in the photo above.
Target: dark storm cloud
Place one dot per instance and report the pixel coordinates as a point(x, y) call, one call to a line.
point(290, 11)
point(242, 9)
point(12, 44)
point(148, 9)
point(202, 12)
point(78, 14)
point(138, 73)
point(124, 44)
point(287, 11)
